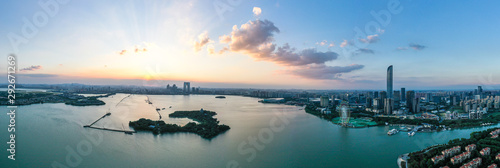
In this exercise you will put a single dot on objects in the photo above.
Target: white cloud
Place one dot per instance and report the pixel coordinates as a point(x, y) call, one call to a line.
point(257, 11)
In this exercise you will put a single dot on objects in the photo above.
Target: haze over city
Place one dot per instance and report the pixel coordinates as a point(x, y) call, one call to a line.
point(263, 44)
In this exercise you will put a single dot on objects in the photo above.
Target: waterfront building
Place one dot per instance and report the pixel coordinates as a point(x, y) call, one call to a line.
point(460, 158)
point(485, 151)
point(451, 151)
point(388, 106)
point(493, 166)
point(324, 101)
point(470, 147)
point(186, 88)
point(437, 159)
point(498, 156)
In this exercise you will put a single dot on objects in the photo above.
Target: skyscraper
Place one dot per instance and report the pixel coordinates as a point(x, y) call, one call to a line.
point(410, 96)
point(186, 88)
point(389, 102)
point(403, 94)
point(389, 82)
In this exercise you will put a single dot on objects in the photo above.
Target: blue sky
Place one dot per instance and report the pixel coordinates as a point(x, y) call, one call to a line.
point(432, 44)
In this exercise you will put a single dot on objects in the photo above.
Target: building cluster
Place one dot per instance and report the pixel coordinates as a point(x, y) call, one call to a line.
point(472, 164)
point(494, 134)
point(485, 151)
point(460, 158)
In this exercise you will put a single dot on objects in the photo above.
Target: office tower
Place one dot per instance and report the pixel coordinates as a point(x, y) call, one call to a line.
point(324, 101)
point(415, 105)
point(389, 82)
point(388, 106)
point(410, 96)
point(186, 88)
point(397, 96)
point(397, 99)
point(375, 95)
point(383, 95)
point(403, 94)
point(369, 102)
point(479, 90)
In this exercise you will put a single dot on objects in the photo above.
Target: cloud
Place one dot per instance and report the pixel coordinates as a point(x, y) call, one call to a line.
point(365, 51)
point(257, 11)
point(402, 48)
point(370, 39)
point(413, 46)
point(417, 46)
point(38, 75)
point(331, 45)
point(322, 43)
point(210, 49)
point(323, 71)
point(31, 68)
point(345, 43)
point(202, 41)
point(256, 39)
point(138, 48)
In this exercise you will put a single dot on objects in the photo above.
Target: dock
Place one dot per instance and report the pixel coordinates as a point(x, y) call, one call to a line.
point(108, 129)
point(116, 130)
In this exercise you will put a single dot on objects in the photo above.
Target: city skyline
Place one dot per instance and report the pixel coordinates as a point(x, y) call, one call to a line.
point(146, 43)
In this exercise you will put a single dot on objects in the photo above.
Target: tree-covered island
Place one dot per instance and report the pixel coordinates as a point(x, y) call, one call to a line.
point(207, 126)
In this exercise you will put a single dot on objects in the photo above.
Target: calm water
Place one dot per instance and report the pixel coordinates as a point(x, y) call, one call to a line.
point(49, 134)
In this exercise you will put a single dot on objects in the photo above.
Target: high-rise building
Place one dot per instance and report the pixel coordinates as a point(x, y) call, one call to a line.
point(389, 82)
point(323, 101)
point(186, 88)
point(410, 96)
point(375, 94)
point(388, 106)
point(383, 95)
point(403, 94)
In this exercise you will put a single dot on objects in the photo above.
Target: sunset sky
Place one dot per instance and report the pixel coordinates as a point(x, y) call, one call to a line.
point(258, 44)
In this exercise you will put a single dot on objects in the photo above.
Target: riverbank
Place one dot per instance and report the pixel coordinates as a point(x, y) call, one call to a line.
point(208, 127)
point(28, 98)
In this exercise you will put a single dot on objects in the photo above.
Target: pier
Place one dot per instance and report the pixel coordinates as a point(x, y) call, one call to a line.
point(108, 129)
point(116, 130)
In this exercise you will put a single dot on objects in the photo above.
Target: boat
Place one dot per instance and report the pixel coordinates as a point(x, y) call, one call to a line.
point(157, 109)
point(163, 108)
point(170, 107)
point(220, 97)
point(392, 132)
point(411, 133)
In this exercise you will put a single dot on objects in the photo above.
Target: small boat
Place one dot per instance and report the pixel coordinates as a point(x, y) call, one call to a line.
point(170, 107)
point(411, 133)
point(163, 108)
point(130, 133)
point(392, 132)
point(220, 97)
point(157, 109)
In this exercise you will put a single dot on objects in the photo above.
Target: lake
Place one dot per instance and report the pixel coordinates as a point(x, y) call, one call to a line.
point(261, 135)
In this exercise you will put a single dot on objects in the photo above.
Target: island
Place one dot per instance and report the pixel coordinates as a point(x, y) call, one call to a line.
point(206, 126)
point(480, 150)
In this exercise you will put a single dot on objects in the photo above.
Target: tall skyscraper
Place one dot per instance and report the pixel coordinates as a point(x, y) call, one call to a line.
point(403, 94)
point(389, 82)
point(186, 88)
point(389, 102)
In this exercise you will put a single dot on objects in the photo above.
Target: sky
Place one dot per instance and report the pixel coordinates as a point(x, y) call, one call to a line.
point(255, 44)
